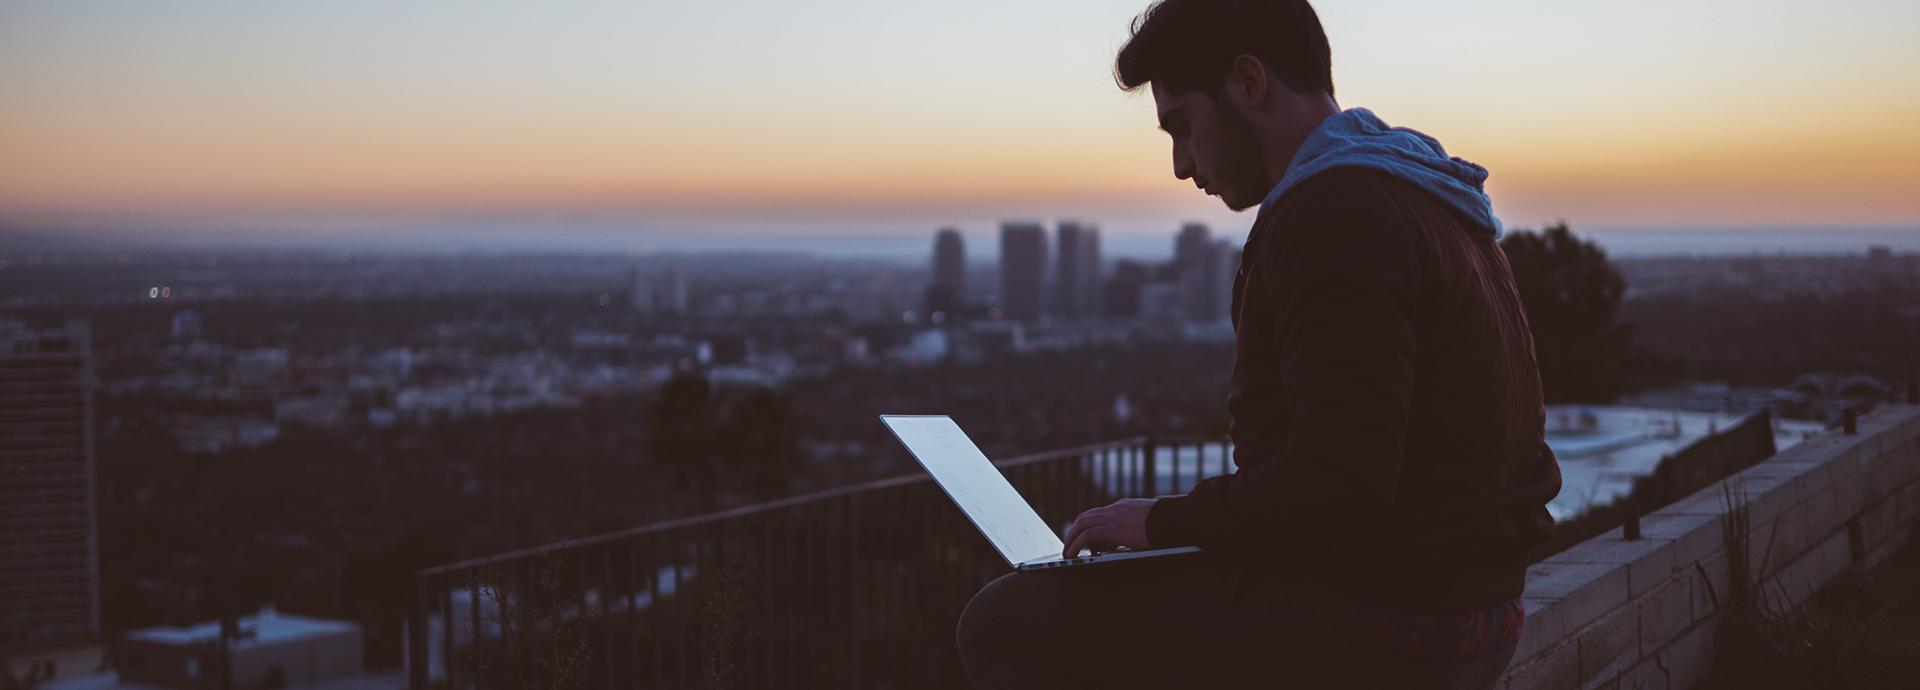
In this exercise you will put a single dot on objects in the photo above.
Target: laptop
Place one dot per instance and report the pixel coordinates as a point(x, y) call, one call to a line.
point(984, 494)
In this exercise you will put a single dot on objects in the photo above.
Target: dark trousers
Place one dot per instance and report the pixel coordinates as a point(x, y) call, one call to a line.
point(1182, 622)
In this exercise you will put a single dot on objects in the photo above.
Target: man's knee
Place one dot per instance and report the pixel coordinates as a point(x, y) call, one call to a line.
point(1004, 609)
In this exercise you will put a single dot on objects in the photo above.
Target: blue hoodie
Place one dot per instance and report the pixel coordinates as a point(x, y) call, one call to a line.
point(1356, 138)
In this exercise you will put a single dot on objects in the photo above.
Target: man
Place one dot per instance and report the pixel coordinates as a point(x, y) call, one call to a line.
point(1386, 410)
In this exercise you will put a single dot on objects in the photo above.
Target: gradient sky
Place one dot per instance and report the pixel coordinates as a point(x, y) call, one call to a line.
point(901, 115)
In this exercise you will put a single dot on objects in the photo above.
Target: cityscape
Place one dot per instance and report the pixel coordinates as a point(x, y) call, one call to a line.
point(153, 357)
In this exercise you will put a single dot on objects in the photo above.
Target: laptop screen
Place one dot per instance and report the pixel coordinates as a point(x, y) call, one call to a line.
point(977, 486)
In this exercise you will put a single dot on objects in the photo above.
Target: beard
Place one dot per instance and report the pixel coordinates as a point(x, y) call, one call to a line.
point(1243, 172)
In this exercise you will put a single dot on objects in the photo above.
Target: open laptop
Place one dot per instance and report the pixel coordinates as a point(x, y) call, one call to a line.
point(984, 494)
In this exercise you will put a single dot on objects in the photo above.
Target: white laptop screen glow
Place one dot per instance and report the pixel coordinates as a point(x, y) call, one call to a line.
point(977, 486)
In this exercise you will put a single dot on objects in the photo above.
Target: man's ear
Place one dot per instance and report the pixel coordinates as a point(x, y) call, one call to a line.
point(1246, 83)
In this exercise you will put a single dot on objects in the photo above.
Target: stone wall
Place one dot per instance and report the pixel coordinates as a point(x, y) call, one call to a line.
point(1642, 614)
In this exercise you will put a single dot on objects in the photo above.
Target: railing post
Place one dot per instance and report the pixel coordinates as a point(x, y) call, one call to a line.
point(853, 589)
point(417, 636)
point(1149, 468)
point(1850, 421)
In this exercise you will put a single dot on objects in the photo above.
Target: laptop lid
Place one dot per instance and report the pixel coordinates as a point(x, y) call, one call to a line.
point(978, 487)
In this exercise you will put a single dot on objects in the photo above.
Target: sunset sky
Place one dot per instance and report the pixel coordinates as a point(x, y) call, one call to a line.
point(897, 116)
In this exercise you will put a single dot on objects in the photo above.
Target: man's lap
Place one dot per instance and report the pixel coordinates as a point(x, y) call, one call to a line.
point(1189, 619)
point(1192, 621)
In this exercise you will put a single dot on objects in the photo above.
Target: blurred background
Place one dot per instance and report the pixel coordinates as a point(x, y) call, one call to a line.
point(324, 325)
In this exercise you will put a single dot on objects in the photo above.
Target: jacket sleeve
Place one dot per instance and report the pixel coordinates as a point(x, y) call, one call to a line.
point(1343, 284)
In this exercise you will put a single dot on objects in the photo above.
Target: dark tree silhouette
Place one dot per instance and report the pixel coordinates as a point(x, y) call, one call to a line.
point(760, 441)
point(1572, 295)
point(681, 434)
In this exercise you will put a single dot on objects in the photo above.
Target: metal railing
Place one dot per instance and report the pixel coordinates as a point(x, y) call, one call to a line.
point(853, 587)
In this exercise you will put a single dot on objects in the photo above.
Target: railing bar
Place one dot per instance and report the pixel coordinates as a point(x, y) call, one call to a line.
point(690, 521)
point(605, 653)
point(656, 661)
point(478, 626)
point(680, 595)
point(446, 629)
point(631, 590)
point(851, 517)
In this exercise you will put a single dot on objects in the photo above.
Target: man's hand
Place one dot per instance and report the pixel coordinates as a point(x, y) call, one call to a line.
point(1123, 523)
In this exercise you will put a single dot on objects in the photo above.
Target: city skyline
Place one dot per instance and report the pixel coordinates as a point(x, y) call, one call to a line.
point(338, 123)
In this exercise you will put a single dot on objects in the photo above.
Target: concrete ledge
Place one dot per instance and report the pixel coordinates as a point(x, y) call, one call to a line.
point(1611, 613)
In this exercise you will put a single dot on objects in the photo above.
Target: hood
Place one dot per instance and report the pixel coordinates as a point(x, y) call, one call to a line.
point(1357, 138)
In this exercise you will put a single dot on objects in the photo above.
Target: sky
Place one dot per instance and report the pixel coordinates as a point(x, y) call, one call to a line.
point(638, 123)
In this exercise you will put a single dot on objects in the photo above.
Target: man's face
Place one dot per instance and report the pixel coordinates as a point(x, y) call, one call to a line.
point(1213, 145)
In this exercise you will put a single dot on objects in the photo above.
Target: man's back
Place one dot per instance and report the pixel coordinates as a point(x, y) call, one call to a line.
point(1386, 407)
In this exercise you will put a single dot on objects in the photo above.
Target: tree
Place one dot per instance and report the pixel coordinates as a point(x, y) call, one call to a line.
point(681, 436)
point(1572, 296)
point(760, 440)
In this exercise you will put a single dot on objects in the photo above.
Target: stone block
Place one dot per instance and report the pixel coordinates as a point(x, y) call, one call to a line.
point(1807, 574)
point(1711, 582)
point(1848, 489)
point(1583, 591)
point(1694, 535)
point(1812, 481)
point(1648, 561)
point(1908, 503)
point(1555, 668)
point(1877, 525)
point(1790, 538)
point(1610, 645)
point(1822, 515)
point(1544, 627)
point(1768, 498)
point(1665, 611)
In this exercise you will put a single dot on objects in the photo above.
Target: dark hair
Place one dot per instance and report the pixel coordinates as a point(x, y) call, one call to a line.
point(1190, 44)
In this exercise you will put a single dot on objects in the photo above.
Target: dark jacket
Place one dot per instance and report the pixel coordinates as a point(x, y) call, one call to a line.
point(1387, 418)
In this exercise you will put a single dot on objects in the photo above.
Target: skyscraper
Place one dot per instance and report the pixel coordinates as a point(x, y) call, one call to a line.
point(49, 545)
point(1023, 270)
point(1196, 260)
point(1077, 273)
point(659, 290)
point(948, 289)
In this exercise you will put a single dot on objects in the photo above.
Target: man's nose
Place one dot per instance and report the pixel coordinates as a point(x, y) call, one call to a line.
point(1181, 166)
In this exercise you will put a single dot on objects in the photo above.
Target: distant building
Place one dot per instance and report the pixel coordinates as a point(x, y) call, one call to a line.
point(1120, 297)
point(264, 650)
point(1077, 274)
point(947, 292)
point(1222, 266)
point(658, 291)
point(187, 325)
point(49, 543)
point(1023, 271)
point(1196, 258)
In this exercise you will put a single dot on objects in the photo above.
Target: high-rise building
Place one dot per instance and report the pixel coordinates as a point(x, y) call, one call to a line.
point(1121, 299)
point(947, 292)
point(1023, 270)
point(1076, 277)
point(1195, 258)
point(1223, 266)
point(659, 290)
point(49, 544)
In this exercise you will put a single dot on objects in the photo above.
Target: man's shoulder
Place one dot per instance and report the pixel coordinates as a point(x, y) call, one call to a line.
point(1342, 210)
point(1349, 190)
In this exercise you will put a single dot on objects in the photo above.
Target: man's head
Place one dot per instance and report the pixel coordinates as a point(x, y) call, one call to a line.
point(1238, 85)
